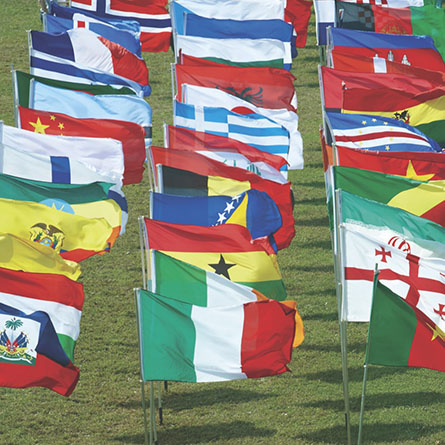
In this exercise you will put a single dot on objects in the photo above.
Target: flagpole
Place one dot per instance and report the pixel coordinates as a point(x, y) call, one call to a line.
point(142, 247)
point(15, 96)
point(341, 307)
point(365, 367)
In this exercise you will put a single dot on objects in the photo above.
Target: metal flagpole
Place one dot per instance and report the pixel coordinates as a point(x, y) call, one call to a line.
point(339, 278)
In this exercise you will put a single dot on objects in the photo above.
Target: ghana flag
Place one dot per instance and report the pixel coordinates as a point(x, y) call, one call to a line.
point(227, 250)
point(402, 335)
point(425, 111)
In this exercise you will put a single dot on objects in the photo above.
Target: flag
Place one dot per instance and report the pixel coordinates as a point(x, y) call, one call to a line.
point(376, 133)
point(212, 28)
point(128, 40)
point(252, 129)
point(130, 135)
point(417, 51)
point(152, 16)
point(421, 198)
point(227, 250)
point(425, 20)
point(31, 355)
point(87, 57)
point(333, 81)
point(234, 51)
point(75, 237)
point(194, 95)
point(207, 344)
point(84, 149)
point(425, 111)
point(252, 209)
point(406, 249)
point(225, 9)
point(58, 296)
point(86, 106)
point(95, 200)
point(188, 173)
point(26, 255)
point(60, 169)
point(298, 12)
point(262, 86)
point(263, 164)
point(402, 335)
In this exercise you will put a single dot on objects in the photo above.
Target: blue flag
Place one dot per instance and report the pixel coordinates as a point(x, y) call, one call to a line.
point(252, 209)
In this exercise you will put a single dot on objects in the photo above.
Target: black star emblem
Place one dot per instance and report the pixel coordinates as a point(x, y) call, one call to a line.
point(222, 268)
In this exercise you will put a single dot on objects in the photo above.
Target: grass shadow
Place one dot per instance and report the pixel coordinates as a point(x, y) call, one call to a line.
point(313, 222)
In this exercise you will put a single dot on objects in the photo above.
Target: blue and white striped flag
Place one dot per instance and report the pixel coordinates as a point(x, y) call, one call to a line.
point(252, 129)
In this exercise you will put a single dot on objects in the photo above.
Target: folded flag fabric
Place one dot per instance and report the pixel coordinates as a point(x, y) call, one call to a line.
point(88, 150)
point(425, 111)
point(208, 344)
point(81, 53)
point(252, 209)
point(424, 20)
point(188, 173)
point(128, 40)
point(234, 51)
point(406, 248)
point(30, 353)
point(195, 95)
point(421, 198)
point(409, 49)
point(152, 16)
point(368, 132)
point(58, 296)
point(26, 255)
point(402, 335)
point(252, 129)
point(298, 12)
point(227, 150)
point(59, 169)
point(75, 237)
point(131, 135)
point(95, 200)
point(263, 86)
point(227, 250)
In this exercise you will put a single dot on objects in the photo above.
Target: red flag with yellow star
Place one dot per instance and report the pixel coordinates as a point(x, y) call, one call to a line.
point(131, 135)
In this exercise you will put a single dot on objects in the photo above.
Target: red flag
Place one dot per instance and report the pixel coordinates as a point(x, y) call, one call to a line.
point(298, 12)
point(130, 134)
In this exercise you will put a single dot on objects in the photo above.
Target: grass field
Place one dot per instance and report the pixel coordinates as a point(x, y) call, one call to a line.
point(305, 406)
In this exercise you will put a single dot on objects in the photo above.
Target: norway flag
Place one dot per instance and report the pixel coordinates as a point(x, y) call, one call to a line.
point(152, 15)
point(84, 52)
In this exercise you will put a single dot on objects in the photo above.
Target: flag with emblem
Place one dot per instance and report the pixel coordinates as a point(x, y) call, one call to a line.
point(61, 298)
point(26, 255)
point(425, 111)
point(87, 57)
point(252, 209)
point(184, 342)
point(130, 134)
point(402, 48)
point(421, 198)
point(152, 16)
point(227, 250)
point(368, 132)
point(263, 86)
point(407, 249)
point(402, 334)
point(31, 354)
point(192, 174)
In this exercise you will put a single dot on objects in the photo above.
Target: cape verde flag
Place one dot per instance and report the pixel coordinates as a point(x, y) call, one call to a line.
point(128, 39)
point(253, 129)
point(378, 133)
point(80, 54)
point(152, 16)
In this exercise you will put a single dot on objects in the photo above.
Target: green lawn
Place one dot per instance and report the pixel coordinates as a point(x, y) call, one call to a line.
point(305, 406)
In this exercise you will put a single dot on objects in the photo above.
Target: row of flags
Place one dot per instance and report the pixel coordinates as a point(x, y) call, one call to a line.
point(383, 107)
point(81, 133)
point(214, 306)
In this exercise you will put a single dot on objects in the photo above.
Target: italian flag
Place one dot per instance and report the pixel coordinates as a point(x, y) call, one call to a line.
point(401, 335)
point(188, 343)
